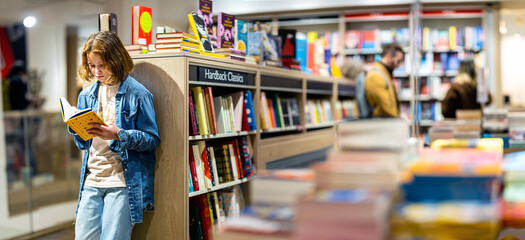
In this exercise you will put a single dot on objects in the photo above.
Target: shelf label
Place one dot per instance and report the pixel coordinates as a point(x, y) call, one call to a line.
point(222, 76)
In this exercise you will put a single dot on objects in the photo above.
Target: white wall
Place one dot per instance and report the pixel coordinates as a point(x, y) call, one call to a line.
point(512, 52)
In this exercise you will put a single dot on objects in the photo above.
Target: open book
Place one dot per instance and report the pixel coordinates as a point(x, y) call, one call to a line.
point(79, 121)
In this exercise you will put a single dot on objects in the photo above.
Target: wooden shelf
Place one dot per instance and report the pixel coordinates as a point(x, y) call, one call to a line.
point(220, 135)
point(219, 187)
point(281, 89)
point(286, 129)
point(320, 125)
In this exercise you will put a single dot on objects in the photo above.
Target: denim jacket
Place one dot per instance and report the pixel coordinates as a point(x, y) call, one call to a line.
point(139, 136)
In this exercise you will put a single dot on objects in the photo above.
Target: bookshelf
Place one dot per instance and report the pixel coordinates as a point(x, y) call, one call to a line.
point(169, 77)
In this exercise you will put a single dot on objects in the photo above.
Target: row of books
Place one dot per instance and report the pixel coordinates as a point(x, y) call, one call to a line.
point(470, 37)
point(428, 111)
point(218, 163)
point(376, 39)
point(176, 42)
point(278, 112)
point(346, 109)
point(208, 211)
point(318, 111)
point(220, 114)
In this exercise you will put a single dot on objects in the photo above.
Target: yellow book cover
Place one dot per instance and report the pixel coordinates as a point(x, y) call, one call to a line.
point(199, 30)
point(426, 36)
point(212, 54)
point(79, 121)
point(452, 37)
point(201, 112)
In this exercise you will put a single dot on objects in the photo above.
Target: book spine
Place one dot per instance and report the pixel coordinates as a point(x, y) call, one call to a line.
point(231, 113)
point(201, 112)
point(233, 161)
point(213, 165)
point(205, 164)
point(193, 168)
point(193, 125)
point(271, 112)
point(249, 110)
point(278, 112)
point(190, 181)
point(208, 96)
point(227, 163)
point(238, 158)
point(219, 114)
point(217, 151)
point(210, 167)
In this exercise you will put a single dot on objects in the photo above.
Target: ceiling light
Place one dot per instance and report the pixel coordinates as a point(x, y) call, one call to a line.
point(29, 21)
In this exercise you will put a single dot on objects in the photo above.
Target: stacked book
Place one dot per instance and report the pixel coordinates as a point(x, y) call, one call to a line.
point(356, 185)
point(177, 42)
point(451, 192)
point(271, 215)
point(513, 211)
point(495, 124)
point(136, 49)
point(516, 129)
point(232, 53)
point(468, 124)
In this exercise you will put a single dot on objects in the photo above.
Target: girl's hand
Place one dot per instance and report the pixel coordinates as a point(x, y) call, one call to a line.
point(108, 132)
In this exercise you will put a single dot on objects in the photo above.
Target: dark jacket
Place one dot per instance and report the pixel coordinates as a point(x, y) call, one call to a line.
point(461, 95)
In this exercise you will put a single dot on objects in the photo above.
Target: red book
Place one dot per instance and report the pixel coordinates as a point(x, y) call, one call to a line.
point(205, 164)
point(193, 172)
point(204, 211)
point(210, 109)
point(244, 126)
point(193, 120)
point(239, 159)
point(141, 26)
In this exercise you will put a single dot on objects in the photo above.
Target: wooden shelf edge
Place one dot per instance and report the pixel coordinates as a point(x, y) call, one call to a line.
point(220, 135)
point(220, 186)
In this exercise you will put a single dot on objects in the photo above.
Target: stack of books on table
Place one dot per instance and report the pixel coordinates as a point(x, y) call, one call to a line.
point(468, 124)
point(495, 124)
point(271, 215)
point(136, 49)
point(451, 192)
point(232, 53)
point(177, 42)
point(357, 184)
point(513, 209)
point(516, 128)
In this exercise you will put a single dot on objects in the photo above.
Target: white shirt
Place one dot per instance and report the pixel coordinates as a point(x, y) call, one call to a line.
point(104, 165)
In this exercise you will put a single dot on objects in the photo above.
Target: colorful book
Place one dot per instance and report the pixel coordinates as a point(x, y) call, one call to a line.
point(225, 26)
point(79, 121)
point(213, 165)
point(233, 161)
point(265, 116)
point(208, 97)
point(199, 30)
point(201, 110)
point(194, 178)
point(249, 110)
point(199, 171)
point(205, 164)
point(193, 120)
point(271, 111)
point(141, 25)
point(301, 50)
point(210, 167)
point(206, 11)
point(228, 168)
point(190, 182)
point(241, 35)
point(278, 111)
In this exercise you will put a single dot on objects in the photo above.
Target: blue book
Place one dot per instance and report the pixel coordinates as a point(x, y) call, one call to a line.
point(190, 182)
point(241, 35)
point(301, 49)
point(254, 44)
point(249, 110)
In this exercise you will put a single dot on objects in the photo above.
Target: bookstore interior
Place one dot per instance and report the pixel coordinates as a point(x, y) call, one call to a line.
point(260, 106)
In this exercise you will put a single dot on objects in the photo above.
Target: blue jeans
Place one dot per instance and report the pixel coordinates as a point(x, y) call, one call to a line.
point(103, 213)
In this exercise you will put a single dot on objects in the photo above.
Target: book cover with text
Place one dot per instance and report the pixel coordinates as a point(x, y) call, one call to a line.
point(206, 11)
point(141, 25)
point(225, 25)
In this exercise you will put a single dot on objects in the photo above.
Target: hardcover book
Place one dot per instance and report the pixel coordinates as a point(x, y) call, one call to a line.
point(141, 25)
point(206, 11)
point(79, 121)
point(249, 110)
point(108, 22)
point(200, 31)
point(225, 24)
